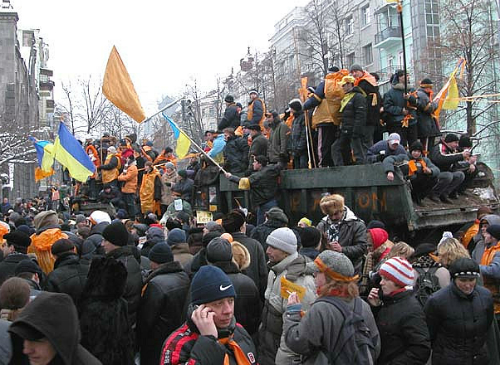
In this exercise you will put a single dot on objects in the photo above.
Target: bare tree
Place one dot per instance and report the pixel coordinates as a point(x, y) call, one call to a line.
point(95, 104)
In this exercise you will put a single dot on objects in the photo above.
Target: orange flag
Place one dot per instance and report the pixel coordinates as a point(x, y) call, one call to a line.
point(119, 89)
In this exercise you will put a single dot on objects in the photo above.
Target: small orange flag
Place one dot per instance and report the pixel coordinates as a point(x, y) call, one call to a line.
point(119, 89)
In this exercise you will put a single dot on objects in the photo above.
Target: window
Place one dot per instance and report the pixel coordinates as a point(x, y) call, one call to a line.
point(367, 54)
point(350, 59)
point(349, 25)
point(365, 15)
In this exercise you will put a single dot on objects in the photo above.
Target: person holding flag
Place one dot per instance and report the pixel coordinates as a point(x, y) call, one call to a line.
point(428, 128)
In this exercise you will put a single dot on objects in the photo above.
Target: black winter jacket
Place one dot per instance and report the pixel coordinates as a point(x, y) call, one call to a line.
point(8, 265)
point(258, 147)
point(354, 113)
point(133, 286)
point(298, 141)
point(69, 276)
point(278, 142)
point(247, 305)
point(161, 309)
point(231, 118)
point(92, 245)
point(444, 157)
point(236, 155)
point(458, 325)
point(373, 102)
point(427, 126)
point(403, 331)
point(394, 103)
point(264, 184)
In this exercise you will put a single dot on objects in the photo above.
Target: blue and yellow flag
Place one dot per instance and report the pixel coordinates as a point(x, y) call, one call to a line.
point(183, 141)
point(70, 153)
point(45, 156)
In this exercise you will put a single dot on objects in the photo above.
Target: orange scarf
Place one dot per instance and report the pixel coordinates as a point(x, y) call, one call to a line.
point(240, 356)
point(489, 254)
point(412, 166)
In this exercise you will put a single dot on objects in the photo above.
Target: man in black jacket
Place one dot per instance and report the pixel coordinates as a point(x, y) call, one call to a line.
point(161, 309)
point(69, 275)
point(115, 238)
point(258, 147)
point(298, 140)
point(445, 155)
point(15, 250)
point(353, 115)
point(247, 304)
point(231, 118)
point(235, 152)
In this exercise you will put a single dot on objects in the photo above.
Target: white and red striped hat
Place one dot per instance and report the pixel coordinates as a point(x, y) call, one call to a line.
point(398, 270)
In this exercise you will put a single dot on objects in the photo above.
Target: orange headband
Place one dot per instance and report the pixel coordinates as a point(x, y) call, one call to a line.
point(332, 274)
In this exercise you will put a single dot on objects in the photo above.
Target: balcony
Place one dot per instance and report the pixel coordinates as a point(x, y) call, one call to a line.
point(388, 37)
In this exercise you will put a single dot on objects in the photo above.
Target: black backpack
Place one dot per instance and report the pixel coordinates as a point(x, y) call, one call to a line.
point(427, 284)
point(354, 345)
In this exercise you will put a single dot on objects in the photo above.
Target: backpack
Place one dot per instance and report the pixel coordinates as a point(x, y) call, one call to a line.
point(427, 284)
point(354, 345)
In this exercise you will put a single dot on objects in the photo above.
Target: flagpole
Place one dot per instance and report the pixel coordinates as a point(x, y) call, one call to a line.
point(399, 9)
point(162, 110)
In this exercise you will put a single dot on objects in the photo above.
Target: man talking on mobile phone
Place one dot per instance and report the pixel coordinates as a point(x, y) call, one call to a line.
point(211, 334)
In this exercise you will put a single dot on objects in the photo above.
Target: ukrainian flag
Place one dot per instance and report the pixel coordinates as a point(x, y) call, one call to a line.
point(183, 141)
point(45, 156)
point(70, 153)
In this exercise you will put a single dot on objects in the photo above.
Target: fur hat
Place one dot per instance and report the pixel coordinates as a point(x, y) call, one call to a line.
point(161, 253)
point(233, 222)
point(176, 236)
point(45, 219)
point(18, 239)
point(283, 239)
point(379, 236)
point(398, 270)
point(219, 250)
point(116, 233)
point(331, 203)
point(210, 284)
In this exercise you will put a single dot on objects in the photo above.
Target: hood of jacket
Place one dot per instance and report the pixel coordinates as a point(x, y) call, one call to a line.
point(294, 264)
point(54, 315)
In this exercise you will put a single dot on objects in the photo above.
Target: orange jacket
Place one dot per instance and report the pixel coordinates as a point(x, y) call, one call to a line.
point(130, 178)
point(41, 245)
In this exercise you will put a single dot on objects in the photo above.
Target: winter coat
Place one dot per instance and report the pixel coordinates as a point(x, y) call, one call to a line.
point(133, 286)
point(104, 322)
point(403, 330)
point(236, 154)
point(55, 316)
point(110, 169)
point(106, 198)
point(181, 253)
point(199, 260)
point(273, 349)
point(186, 346)
point(256, 111)
point(458, 325)
point(185, 188)
point(231, 118)
point(69, 276)
point(394, 103)
point(444, 157)
point(247, 304)
point(373, 154)
point(298, 138)
point(257, 271)
point(258, 147)
point(353, 112)
point(92, 245)
point(402, 161)
point(352, 236)
point(320, 328)
point(263, 230)
point(478, 252)
point(5, 342)
point(264, 184)
point(278, 142)
point(373, 100)
point(427, 126)
point(161, 309)
point(150, 192)
point(8, 265)
point(167, 180)
point(130, 179)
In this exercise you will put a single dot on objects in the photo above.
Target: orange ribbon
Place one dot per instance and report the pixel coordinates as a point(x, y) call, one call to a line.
point(332, 274)
point(240, 356)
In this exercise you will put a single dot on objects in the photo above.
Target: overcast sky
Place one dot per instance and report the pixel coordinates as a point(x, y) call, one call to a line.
point(164, 44)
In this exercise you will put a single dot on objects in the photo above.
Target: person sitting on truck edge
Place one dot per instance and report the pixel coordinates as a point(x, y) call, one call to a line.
point(445, 155)
point(342, 230)
point(263, 185)
point(468, 165)
point(382, 149)
point(421, 172)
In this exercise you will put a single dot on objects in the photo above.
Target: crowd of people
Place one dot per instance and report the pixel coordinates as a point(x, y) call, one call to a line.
point(104, 289)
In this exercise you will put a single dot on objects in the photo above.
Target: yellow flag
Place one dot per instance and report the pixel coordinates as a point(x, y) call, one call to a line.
point(119, 89)
point(287, 288)
point(451, 102)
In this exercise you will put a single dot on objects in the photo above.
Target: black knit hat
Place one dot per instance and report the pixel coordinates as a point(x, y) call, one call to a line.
point(62, 245)
point(424, 249)
point(465, 141)
point(219, 250)
point(229, 99)
point(494, 230)
point(451, 138)
point(28, 265)
point(207, 238)
point(161, 253)
point(310, 237)
point(210, 284)
point(295, 104)
point(464, 268)
point(233, 222)
point(116, 233)
point(426, 83)
point(417, 145)
point(18, 239)
point(375, 224)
